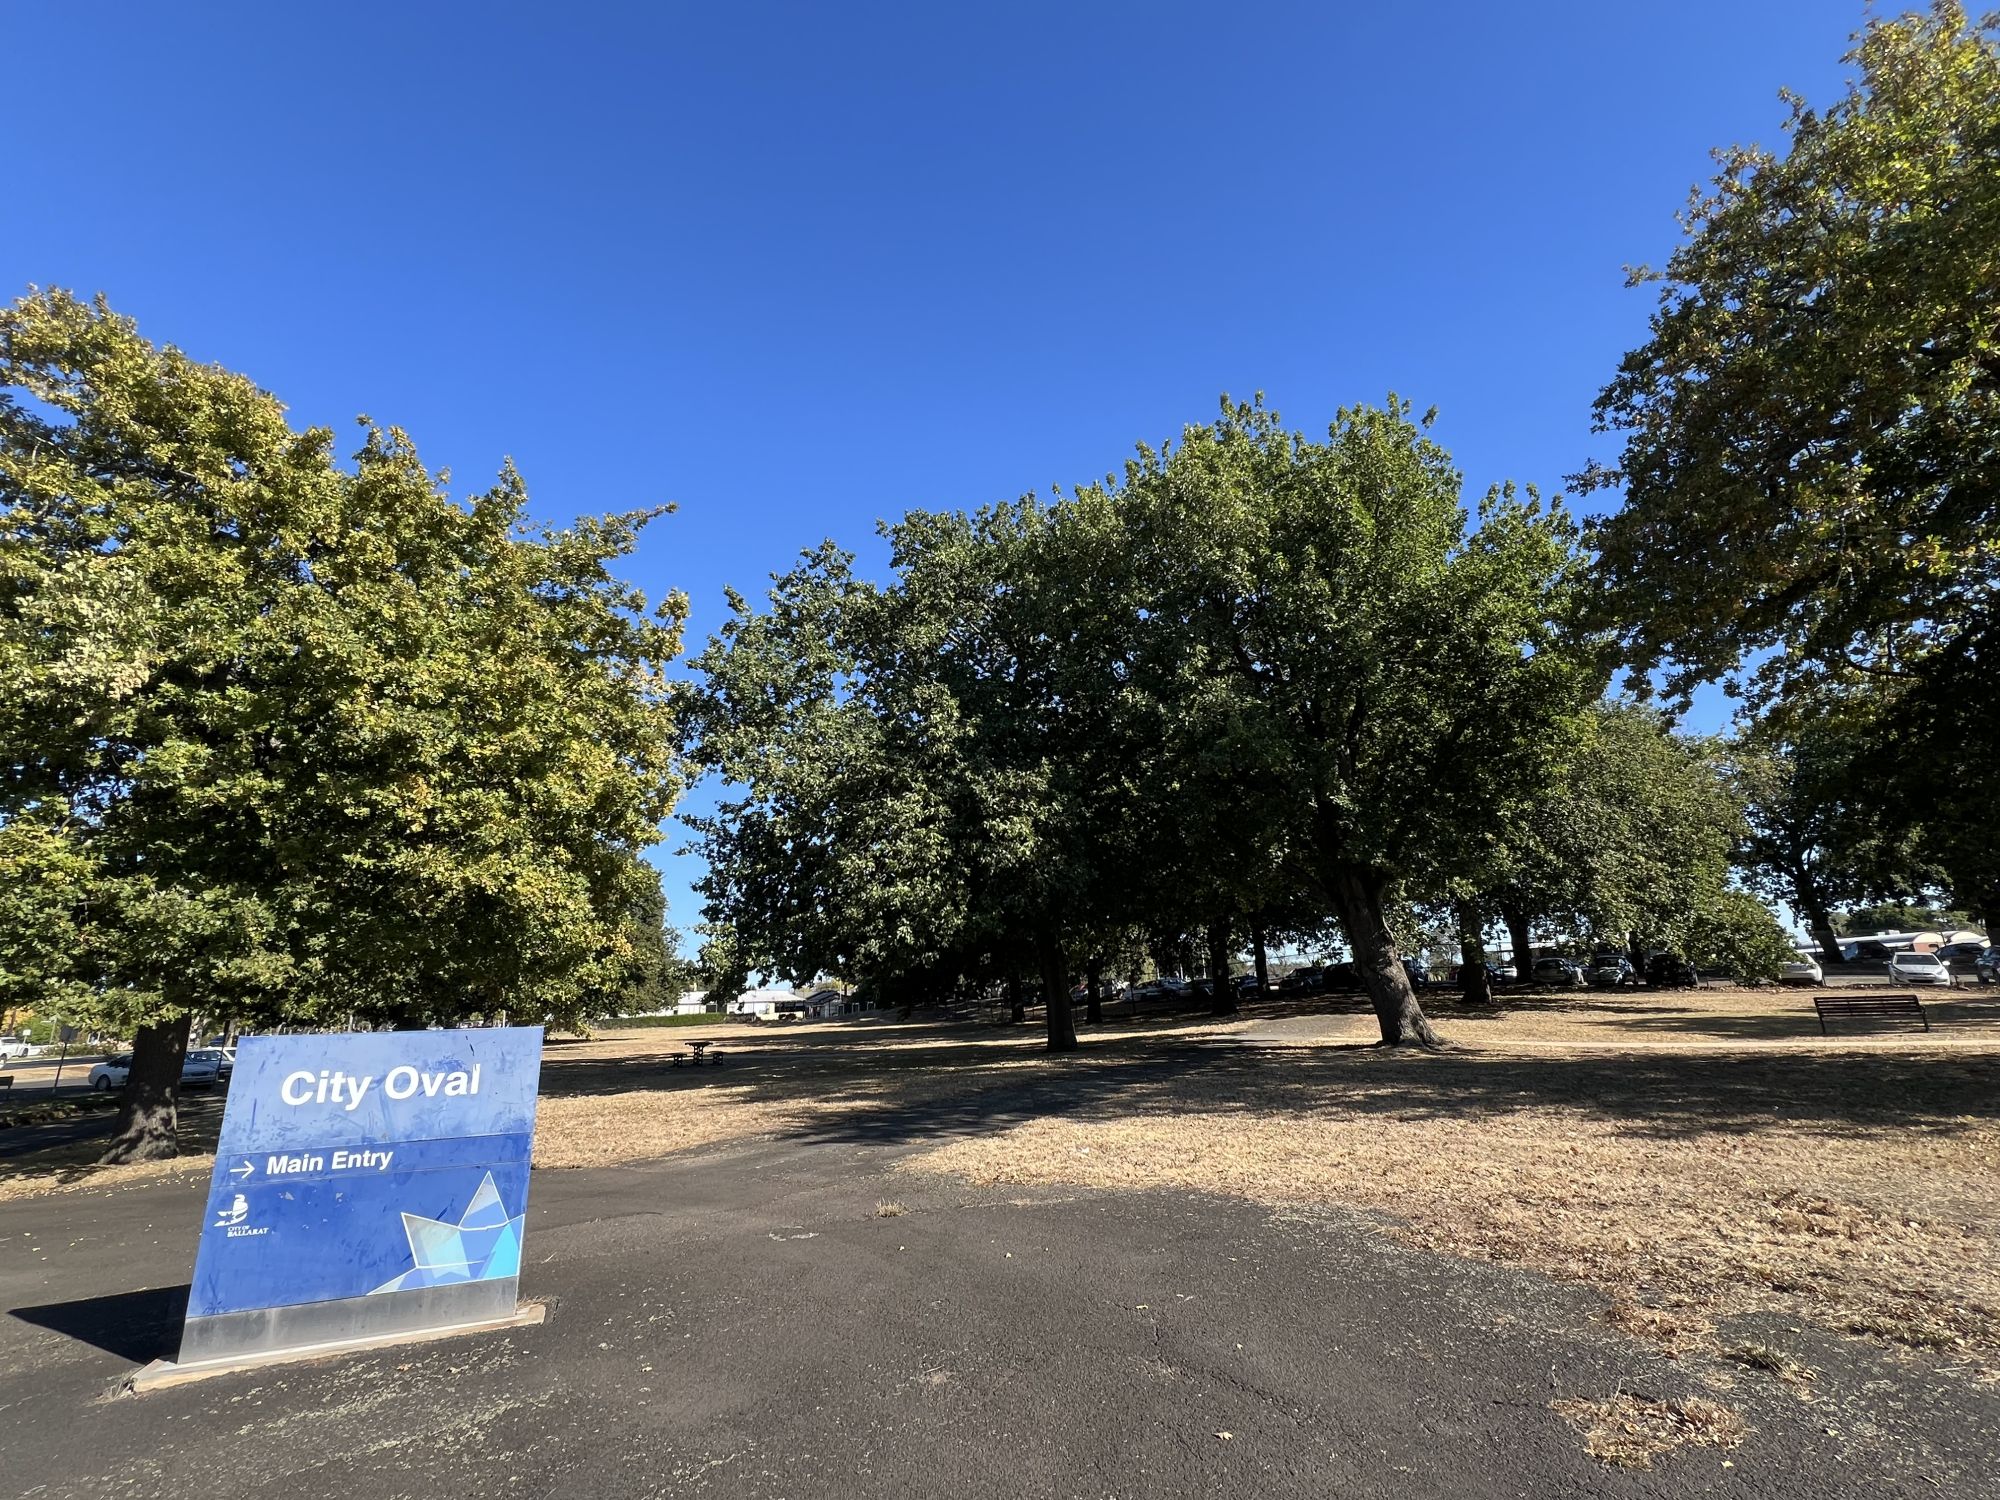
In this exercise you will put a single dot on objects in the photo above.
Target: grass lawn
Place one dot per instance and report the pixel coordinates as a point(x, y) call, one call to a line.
point(1696, 1155)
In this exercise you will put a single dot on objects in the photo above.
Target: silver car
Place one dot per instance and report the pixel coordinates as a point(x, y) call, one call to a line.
point(224, 1059)
point(1563, 973)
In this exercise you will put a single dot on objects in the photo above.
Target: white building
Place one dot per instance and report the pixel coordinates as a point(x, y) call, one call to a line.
point(762, 1004)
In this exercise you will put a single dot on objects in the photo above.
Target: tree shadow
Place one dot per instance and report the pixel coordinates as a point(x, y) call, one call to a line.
point(135, 1326)
point(76, 1139)
point(927, 1081)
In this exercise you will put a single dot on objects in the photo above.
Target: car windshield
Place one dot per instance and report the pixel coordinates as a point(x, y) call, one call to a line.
point(1918, 961)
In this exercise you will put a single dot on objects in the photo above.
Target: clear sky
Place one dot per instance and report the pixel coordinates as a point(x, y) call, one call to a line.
point(799, 267)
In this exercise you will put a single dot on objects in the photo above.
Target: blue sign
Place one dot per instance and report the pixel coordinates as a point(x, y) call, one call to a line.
point(377, 1165)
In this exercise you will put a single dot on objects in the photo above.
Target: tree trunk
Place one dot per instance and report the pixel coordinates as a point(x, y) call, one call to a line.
point(1014, 1001)
point(1262, 960)
point(1521, 934)
point(1221, 993)
point(1055, 985)
point(148, 1111)
point(1474, 983)
point(1356, 896)
point(1094, 1014)
point(1819, 921)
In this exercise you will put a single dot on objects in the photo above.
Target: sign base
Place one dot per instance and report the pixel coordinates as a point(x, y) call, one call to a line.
point(163, 1374)
point(271, 1330)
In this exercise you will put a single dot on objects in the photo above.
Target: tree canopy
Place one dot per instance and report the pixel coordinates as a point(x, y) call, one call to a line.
point(303, 739)
point(1811, 436)
point(1251, 658)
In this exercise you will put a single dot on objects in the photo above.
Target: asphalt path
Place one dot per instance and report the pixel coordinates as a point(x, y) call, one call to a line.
point(757, 1320)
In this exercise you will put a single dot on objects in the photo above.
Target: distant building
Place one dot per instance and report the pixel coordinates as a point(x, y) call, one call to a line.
point(761, 1004)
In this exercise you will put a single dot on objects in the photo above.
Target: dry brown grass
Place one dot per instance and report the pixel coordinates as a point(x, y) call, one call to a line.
point(1687, 1174)
point(73, 1177)
point(600, 1130)
point(1630, 1431)
point(1696, 1155)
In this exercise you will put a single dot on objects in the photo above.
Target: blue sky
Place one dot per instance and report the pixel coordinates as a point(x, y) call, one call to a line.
point(800, 267)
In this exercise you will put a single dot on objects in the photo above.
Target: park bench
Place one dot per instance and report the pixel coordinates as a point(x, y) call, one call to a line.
point(6, 1083)
point(1869, 1005)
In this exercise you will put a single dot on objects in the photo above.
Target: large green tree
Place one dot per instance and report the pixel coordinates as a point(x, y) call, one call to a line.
point(926, 780)
point(1811, 435)
point(832, 848)
point(1819, 833)
point(1628, 840)
point(1383, 674)
point(1254, 674)
point(315, 739)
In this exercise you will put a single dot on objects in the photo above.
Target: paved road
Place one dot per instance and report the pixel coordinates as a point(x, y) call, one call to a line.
point(35, 1077)
point(743, 1322)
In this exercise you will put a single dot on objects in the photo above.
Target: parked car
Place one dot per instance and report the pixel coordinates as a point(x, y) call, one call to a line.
point(224, 1059)
point(1343, 976)
point(199, 1070)
point(1307, 981)
point(111, 1073)
point(1246, 984)
point(1669, 971)
point(1495, 975)
point(1988, 967)
point(1802, 969)
point(1609, 968)
point(1419, 972)
point(1866, 950)
point(1962, 951)
point(1563, 973)
point(15, 1046)
point(1920, 968)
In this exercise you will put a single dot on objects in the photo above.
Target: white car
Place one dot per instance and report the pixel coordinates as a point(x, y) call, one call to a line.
point(112, 1072)
point(15, 1046)
point(1919, 968)
point(1803, 969)
point(198, 1071)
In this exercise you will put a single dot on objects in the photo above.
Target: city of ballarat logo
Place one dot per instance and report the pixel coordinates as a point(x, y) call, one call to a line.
point(232, 1220)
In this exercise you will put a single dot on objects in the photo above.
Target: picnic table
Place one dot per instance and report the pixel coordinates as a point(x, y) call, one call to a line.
point(698, 1049)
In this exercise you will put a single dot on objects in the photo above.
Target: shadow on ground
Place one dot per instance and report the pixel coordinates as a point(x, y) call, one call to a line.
point(907, 1082)
point(135, 1326)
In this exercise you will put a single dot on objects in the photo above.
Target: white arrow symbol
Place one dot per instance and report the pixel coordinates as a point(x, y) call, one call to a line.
point(243, 1171)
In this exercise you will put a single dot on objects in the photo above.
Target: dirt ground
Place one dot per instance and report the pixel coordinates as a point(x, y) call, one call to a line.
point(1698, 1156)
